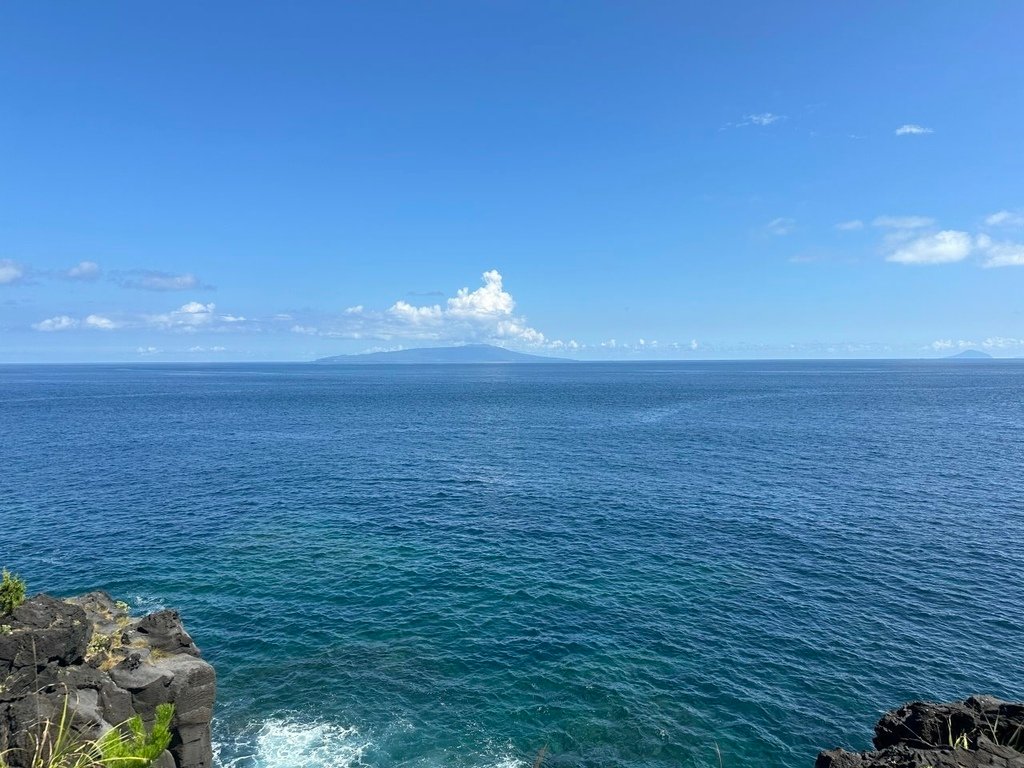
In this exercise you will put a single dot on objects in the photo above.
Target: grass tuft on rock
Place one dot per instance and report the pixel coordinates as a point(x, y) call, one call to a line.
point(129, 745)
point(12, 592)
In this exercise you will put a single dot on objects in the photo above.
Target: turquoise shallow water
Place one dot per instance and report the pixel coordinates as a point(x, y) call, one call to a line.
point(434, 566)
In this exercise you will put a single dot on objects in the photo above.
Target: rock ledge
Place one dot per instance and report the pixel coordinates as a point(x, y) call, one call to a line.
point(108, 666)
point(978, 731)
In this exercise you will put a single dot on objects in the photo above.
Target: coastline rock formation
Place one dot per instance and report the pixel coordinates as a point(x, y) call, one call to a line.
point(978, 731)
point(88, 654)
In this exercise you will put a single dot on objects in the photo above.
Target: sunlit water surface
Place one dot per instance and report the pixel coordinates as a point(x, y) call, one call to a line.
point(456, 566)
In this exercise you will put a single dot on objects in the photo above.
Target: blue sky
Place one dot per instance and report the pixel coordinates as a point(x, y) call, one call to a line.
point(240, 181)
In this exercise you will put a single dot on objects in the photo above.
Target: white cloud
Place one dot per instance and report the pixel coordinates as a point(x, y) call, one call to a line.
point(992, 343)
point(11, 272)
point(941, 248)
point(758, 118)
point(188, 317)
point(1002, 342)
point(207, 349)
point(780, 226)
point(805, 258)
point(912, 129)
point(101, 322)
point(1005, 219)
point(489, 300)
point(902, 222)
point(850, 226)
point(152, 280)
point(763, 118)
point(407, 313)
point(192, 317)
point(57, 323)
point(486, 313)
point(1001, 254)
point(83, 270)
point(147, 350)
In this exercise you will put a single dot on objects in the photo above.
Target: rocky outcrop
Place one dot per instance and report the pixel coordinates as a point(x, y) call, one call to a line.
point(979, 731)
point(88, 655)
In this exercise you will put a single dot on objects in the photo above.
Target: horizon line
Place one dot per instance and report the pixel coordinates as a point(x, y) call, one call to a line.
point(555, 360)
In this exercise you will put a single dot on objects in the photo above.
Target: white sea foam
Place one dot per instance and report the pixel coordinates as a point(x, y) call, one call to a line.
point(140, 605)
point(293, 744)
point(508, 761)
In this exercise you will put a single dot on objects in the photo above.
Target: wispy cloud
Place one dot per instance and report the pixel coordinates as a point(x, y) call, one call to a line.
point(1000, 254)
point(189, 317)
point(780, 226)
point(67, 323)
point(992, 343)
point(941, 248)
point(83, 270)
point(11, 272)
point(850, 226)
point(1005, 219)
point(56, 323)
point(100, 322)
point(912, 129)
point(764, 118)
point(761, 119)
point(154, 280)
point(902, 222)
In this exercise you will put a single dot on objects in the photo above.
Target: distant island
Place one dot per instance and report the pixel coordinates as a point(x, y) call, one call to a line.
point(464, 354)
point(970, 354)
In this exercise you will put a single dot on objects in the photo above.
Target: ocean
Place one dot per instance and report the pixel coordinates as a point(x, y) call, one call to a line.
point(631, 564)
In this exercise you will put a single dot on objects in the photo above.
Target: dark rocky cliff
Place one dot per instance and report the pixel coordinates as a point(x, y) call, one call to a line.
point(88, 652)
point(979, 731)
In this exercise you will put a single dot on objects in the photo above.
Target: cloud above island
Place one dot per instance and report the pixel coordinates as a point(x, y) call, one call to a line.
point(486, 313)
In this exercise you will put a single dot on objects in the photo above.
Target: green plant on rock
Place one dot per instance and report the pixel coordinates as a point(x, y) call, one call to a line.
point(132, 746)
point(1004, 737)
point(57, 745)
point(12, 592)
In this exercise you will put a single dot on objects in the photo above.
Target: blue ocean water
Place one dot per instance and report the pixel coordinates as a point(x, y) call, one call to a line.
point(633, 564)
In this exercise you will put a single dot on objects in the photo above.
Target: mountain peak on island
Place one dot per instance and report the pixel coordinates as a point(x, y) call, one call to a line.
point(464, 354)
point(970, 354)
